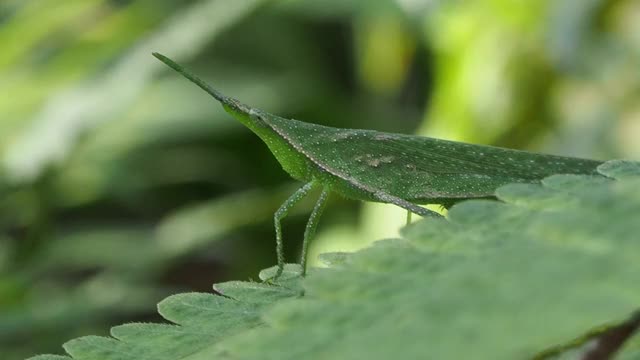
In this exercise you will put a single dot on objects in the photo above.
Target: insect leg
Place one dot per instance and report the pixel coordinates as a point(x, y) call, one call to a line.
point(409, 213)
point(281, 214)
point(388, 198)
point(312, 224)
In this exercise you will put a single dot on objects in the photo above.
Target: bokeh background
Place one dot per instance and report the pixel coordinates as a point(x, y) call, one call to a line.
point(121, 183)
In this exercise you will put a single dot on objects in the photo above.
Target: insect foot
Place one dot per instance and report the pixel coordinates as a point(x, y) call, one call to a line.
point(290, 276)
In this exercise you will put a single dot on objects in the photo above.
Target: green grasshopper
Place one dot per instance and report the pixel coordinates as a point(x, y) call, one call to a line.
point(404, 170)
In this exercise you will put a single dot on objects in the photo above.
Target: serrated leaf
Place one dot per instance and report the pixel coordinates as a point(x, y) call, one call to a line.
point(203, 320)
point(523, 290)
point(494, 281)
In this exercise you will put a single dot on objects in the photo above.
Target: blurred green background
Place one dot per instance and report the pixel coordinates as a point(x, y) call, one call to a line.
point(121, 183)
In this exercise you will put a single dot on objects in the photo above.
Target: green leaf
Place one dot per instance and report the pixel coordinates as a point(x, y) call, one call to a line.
point(632, 350)
point(203, 319)
point(520, 281)
point(64, 118)
point(494, 281)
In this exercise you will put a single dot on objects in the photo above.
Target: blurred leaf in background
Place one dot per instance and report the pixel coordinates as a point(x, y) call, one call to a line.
point(120, 183)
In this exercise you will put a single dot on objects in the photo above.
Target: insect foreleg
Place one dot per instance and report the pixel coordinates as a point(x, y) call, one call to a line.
point(281, 214)
point(312, 224)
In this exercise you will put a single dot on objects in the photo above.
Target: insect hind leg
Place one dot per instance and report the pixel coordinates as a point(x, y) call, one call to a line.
point(388, 198)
